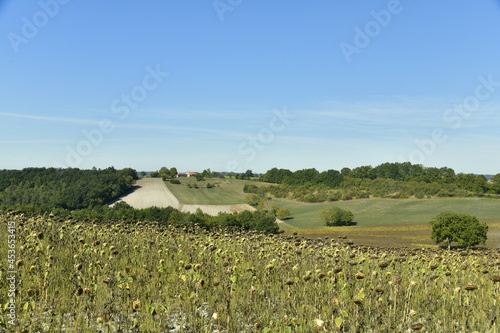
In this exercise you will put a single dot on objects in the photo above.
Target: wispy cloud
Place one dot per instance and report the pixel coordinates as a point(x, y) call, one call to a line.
point(180, 129)
point(207, 114)
point(153, 125)
point(79, 121)
point(33, 142)
point(402, 113)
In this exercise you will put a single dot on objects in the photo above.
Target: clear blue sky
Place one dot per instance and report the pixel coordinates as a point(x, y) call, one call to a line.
point(250, 84)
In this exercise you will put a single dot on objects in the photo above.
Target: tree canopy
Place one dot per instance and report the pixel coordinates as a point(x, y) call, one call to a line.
point(165, 172)
point(495, 183)
point(391, 180)
point(63, 188)
point(464, 229)
point(336, 216)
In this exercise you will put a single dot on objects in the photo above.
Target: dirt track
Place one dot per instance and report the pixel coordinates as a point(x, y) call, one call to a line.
point(216, 209)
point(152, 192)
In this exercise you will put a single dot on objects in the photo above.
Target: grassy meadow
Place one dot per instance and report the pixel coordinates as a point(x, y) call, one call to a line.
point(391, 222)
point(74, 276)
point(225, 191)
point(384, 222)
point(392, 211)
point(366, 211)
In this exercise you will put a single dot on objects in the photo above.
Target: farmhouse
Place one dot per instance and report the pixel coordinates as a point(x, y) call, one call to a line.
point(187, 174)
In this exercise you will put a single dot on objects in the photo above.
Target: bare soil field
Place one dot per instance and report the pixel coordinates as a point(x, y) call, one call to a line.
point(216, 209)
point(414, 236)
point(152, 192)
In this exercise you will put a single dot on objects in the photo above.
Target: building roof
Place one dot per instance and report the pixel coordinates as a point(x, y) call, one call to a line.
point(188, 173)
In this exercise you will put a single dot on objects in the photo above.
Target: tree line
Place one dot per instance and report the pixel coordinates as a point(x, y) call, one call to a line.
point(392, 180)
point(246, 220)
point(70, 188)
point(85, 195)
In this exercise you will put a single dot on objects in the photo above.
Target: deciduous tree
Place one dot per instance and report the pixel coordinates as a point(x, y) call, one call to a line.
point(464, 229)
point(336, 216)
point(495, 183)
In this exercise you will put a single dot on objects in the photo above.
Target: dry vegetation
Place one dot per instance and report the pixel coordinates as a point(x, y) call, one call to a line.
point(412, 236)
point(77, 276)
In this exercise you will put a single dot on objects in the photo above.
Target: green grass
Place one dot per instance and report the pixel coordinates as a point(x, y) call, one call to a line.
point(366, 211)
point(391, 211)
point(225, 192)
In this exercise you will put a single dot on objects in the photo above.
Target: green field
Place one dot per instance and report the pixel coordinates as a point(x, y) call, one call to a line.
point(391, 211)
point(366, 211)
point(225, 192)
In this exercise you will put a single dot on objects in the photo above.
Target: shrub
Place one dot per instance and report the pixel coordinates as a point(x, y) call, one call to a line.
point(252, 199)
point(175, 181)
point(283, 213)
point(363, 195)
point(419, 195)
point(335, 216)
point(309, 198)
point(263, 222)
point(334, 196)
point(249, 188)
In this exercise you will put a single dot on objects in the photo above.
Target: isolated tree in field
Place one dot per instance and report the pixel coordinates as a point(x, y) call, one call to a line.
point(336, 216)
point(464, 229)
point(283, 213)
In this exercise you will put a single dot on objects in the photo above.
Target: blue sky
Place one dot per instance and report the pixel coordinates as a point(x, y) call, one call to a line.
point(233, 85)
